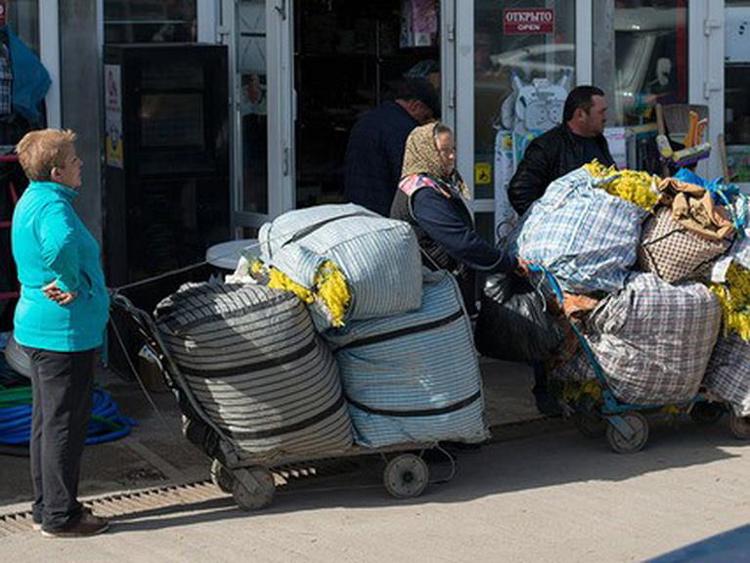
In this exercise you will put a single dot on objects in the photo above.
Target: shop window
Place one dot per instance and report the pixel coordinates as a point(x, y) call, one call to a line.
point(149, 21)
point(736, 88)
point(23, 19)
point(349, 57)
point(643, 58)
point(524, 66)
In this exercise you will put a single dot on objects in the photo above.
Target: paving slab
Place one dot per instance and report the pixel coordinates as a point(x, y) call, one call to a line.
point(156, 453)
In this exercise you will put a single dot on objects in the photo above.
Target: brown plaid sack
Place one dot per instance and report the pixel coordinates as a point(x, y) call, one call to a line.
point(675, 253)
point(652, 339)
point(728, 373)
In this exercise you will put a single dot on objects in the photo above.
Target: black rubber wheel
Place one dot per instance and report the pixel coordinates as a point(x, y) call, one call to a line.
point(705, 413)
point(406, 476)
point(221, 477)
point(740, 426)
point(622, 444)
point(590, 424)
point(253, 488)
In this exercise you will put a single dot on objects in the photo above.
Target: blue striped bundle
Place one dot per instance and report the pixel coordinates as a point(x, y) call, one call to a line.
point(413, 377)
point(587, 238)
point(379, 257)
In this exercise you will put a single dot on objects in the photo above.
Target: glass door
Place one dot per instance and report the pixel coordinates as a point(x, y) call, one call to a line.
point(349, 58)
point(257, 32)
point(706, 77)
point(520, 58)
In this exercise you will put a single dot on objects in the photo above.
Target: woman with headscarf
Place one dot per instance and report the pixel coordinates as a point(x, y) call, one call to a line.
point(431, 198)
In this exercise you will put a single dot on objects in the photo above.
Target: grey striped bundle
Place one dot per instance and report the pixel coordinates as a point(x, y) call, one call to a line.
point(254, 362)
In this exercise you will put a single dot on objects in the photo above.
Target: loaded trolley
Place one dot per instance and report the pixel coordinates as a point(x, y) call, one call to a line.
point(597, 411)
point(248, 478)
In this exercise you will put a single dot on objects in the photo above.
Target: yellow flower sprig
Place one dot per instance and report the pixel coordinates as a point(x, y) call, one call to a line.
point(333, 290)
point(329, 286)
point(734, 296)
point(575, 391)
point(636, 187)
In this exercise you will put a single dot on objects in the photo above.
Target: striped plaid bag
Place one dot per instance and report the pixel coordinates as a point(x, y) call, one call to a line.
point(728, 373)
point(675, 253)
point(653, 340)
point(584, 236)
point(379, 257)
point(255, 364)
point(413, 377)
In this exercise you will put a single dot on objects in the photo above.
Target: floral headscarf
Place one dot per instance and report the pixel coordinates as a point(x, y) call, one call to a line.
point(421, 156)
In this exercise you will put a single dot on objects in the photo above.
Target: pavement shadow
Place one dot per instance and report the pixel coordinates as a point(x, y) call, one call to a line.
point(547, 460)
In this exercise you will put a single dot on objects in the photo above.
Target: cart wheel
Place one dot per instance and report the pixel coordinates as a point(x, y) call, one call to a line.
point(622, 444)
point(590, 424)
point(406, 476)
point(221, 477)
point(740, 426)
point(704, 413)
point(253, 488)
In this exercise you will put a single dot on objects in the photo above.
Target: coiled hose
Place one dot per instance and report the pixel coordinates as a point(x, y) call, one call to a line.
point(106, 423)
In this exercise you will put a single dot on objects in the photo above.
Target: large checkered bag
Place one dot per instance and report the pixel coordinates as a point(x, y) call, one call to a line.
point(413, 377)
point(675, 253)
point(379, 257)
point(653, 340)
point(587, 238)
point(728, 373)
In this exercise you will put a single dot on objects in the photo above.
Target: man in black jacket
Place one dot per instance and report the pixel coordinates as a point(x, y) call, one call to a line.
point(578, 140)
point(375, 152)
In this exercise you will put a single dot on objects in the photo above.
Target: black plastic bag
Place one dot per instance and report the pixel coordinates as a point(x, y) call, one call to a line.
point(513, 323)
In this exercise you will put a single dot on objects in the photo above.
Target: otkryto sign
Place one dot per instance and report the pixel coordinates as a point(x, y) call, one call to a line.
point(528, 21)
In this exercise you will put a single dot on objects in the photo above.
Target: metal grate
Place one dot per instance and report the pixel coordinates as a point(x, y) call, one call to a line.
point(121, 504)
point(129, 503)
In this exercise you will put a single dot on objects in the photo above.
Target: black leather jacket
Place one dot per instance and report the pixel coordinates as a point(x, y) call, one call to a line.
point(548, 157)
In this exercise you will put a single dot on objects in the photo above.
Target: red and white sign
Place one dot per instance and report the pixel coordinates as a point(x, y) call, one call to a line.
point(528, 21)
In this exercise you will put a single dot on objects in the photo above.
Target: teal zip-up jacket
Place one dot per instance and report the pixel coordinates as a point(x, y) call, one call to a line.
point(50, 243)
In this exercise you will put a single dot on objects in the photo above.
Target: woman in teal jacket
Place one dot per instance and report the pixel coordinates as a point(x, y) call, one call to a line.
point(59, 321)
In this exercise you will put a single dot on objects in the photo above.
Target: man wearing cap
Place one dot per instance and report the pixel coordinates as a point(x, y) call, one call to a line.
point(375, 152)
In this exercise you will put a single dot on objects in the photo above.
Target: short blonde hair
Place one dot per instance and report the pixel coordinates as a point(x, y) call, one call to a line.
point(40, 151)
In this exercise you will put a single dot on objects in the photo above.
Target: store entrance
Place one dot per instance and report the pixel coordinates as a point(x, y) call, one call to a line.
point(349, 57)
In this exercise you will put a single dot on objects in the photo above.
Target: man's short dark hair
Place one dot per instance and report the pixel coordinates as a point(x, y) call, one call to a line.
point(419, 89)
point(580, 97)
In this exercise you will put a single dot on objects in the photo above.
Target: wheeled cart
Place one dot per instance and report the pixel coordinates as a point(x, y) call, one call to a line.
point(596, 411)
point(250, 482)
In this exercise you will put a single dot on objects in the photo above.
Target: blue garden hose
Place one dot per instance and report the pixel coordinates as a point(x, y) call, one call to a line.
point(106, 423)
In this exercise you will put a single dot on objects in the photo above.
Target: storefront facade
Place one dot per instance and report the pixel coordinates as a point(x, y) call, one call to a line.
point(300, 72)
point(638, 51)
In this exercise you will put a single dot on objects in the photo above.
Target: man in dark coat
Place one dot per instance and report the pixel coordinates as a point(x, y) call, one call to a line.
point(578, 140)
point(375, 152)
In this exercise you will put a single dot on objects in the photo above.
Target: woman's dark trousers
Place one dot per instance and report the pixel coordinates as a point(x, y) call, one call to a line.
point(62, 385)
